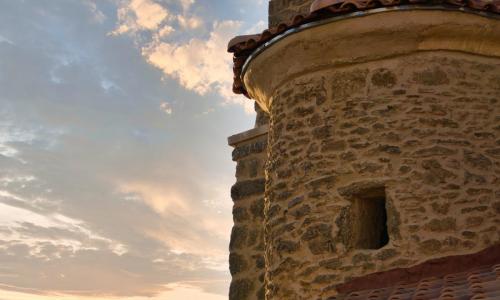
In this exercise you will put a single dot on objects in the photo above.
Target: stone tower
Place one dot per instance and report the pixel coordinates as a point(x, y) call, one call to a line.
point(377, 175)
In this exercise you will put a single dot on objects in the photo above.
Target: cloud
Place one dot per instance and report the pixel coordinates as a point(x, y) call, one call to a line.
point(181, 290)
point(139, 15)
point(36, 230)
point(14, 136)
point(188, 226)
point(186, 4)
point(189, 22)
point(165, 31)
point(200, 65)
point(97, 15)
point(166, 107)
point(257, 28)
point(5, 40)
point(10, 134)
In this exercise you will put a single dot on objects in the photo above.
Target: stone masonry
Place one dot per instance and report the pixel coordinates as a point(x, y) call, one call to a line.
point(420, 129)
point(376, 158)
point(246, 258)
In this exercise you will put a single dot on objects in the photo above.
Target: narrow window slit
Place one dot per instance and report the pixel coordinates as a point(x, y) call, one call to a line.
point(370, 219)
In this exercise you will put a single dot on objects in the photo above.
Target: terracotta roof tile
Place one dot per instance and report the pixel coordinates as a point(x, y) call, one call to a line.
point(243, 46)
point(481, 283)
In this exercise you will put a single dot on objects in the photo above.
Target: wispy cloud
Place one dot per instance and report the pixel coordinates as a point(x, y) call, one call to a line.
point(5, 40)
point(186, 4)
point(98, 16)
point(178, 231)
point(36, 230)
point(181, 290)
point(200, 65)
point(13, 135)
point(192, 22)
point(166, 108)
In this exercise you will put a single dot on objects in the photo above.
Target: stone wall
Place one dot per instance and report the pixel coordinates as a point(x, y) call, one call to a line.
point(285, 10)
point(246, 259)
point(420, 131)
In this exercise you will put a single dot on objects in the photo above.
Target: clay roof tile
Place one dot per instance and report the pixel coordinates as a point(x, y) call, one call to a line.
point(479, 284)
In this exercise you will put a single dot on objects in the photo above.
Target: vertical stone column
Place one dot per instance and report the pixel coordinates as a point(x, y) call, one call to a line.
point(246, 259)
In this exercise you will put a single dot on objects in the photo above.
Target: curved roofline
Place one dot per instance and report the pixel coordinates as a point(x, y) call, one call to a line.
point(356, 14)
point(246, 48)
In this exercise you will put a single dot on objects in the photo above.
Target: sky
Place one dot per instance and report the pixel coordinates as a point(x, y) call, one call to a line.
point(114, 166)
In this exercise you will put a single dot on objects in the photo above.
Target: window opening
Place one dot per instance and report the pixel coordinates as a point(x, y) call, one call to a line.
point(370, 219)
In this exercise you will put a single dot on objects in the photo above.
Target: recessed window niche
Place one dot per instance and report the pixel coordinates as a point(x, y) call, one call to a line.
point(369, 218)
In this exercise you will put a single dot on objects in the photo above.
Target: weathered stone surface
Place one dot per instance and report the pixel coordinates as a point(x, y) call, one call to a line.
point(318, 230)
point(477, 160)
point(322, 181)
point(468, 234)
point(239, 236)
point(389, 149)
point(257, 208)
point(295, 201)
point(384, 78)
point(474, 209)
point(302, 211)
point(262, 117)
point(474, 221)
point(237, 263)
point(435, 173)
point(253, 234)
point(418, 132)
point(245, 150)
point(287, 246)
point(240, 289)
point(361, 258)
point(248, 168)
point(260, 262)
point(332, 264)
point(246, 259)
point(363, 189)
point(247, 188)
point(434, 151)
point(431, 76)
point(441, 208)
point(496, 207)
point(470, 178)
point(387, 254)
point(326, 278)
point(240, 214)
point(430, 246)
point(334, 145)
point(445, 224)
point(320, 246)
point(347, 84)
point(261, 293)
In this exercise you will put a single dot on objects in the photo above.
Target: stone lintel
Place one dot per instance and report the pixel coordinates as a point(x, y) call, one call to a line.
point(247, 135)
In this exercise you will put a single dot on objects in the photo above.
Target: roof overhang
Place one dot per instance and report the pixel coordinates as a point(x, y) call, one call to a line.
point(248, 47)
